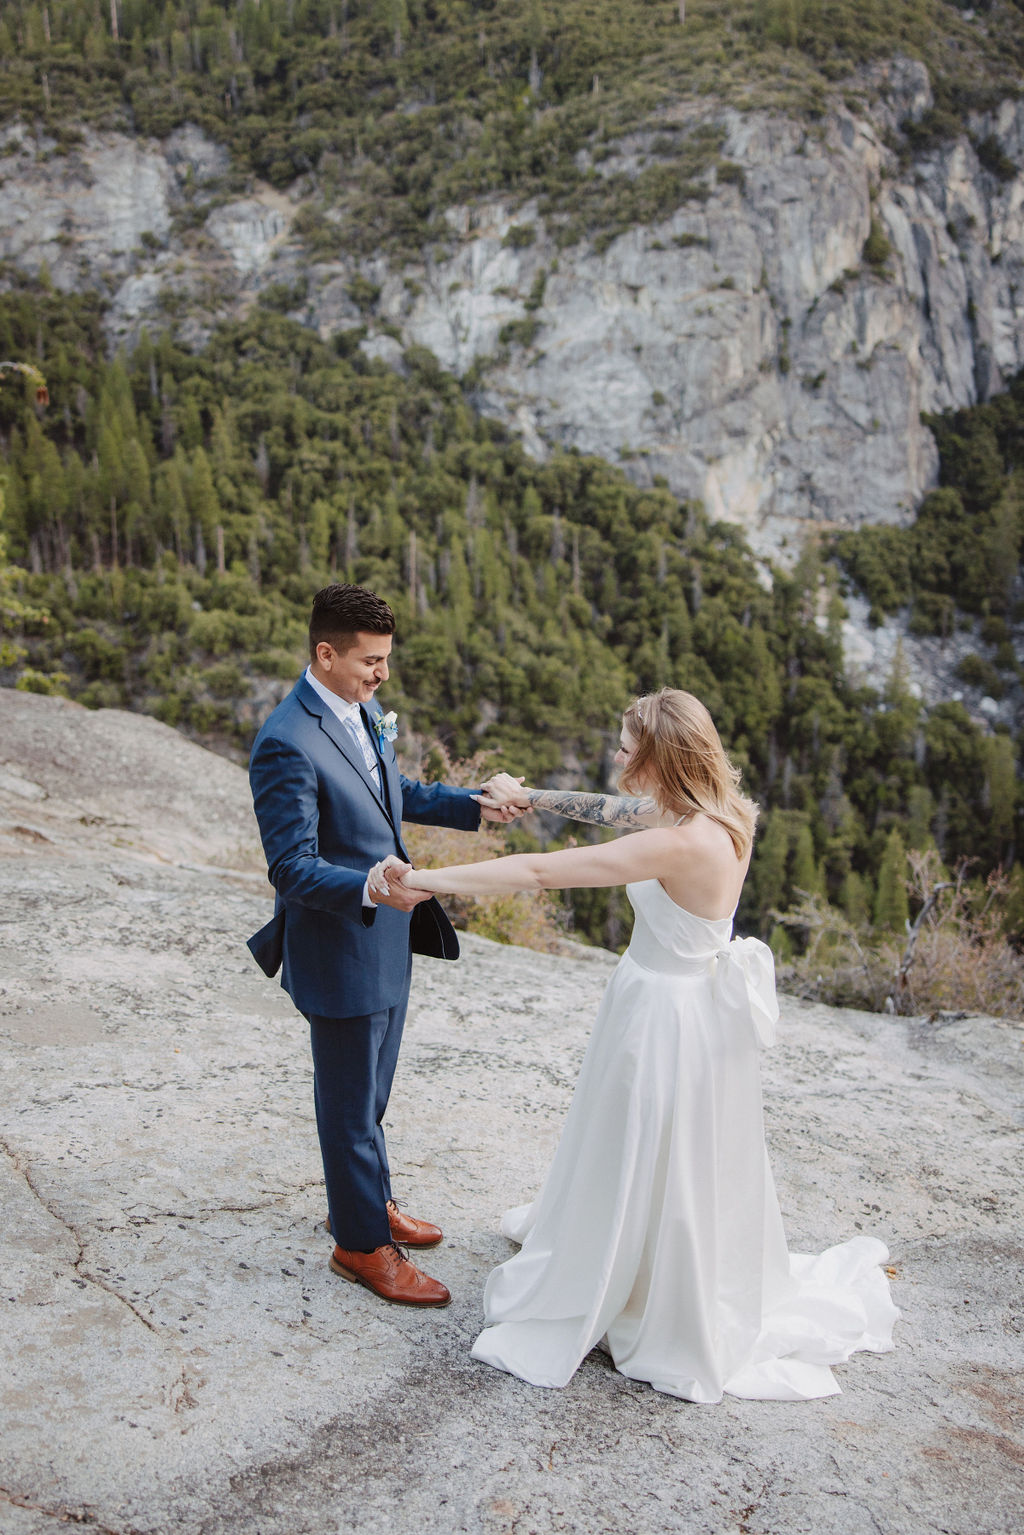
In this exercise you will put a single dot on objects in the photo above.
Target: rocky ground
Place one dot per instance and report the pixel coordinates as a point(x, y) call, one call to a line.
point(177, 1356)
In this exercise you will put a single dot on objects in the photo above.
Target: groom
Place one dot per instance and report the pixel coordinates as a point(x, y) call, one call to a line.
point(330, 802)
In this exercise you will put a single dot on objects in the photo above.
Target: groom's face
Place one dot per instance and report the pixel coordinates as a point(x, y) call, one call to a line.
point(354, 674)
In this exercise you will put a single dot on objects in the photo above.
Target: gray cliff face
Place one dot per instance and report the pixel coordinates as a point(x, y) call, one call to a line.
point(742, 348)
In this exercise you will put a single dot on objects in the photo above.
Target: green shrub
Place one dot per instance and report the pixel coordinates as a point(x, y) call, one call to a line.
point(364, 293)
point(519, 236)
point(225, 680)
point(979, 673)
point(877, 247)
point(282, 297)
point(879, 559)
point(32, 681)
point(993, 159)
point(519, 332)
point(99, 657)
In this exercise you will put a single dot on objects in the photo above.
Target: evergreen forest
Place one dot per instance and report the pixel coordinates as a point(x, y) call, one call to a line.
point(169, 514)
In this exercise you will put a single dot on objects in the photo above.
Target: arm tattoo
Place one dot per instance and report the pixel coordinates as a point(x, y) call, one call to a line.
point(597, 809)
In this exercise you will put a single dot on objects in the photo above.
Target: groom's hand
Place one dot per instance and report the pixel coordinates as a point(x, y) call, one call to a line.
point(502, 798)
point(502, 814)
point(402, 898)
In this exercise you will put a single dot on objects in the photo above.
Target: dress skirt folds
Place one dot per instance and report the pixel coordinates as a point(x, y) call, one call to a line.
point(657, 1233)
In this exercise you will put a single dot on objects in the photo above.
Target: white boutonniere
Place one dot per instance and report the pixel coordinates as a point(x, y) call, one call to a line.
point(386, 726)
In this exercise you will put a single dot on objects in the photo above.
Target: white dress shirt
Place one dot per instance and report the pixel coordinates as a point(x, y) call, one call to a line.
point(351, 715)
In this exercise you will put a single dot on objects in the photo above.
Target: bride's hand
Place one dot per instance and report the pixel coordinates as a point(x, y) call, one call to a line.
point(381, 875)
point(387, 887)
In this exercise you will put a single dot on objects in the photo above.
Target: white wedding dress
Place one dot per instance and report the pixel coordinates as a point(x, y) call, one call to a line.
point(657, 1233)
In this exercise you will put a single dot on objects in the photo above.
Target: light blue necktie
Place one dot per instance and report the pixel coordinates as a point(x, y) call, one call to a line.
point(354, 721)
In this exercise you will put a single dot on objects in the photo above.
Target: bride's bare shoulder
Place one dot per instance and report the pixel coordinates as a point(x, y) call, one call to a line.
point(707, 876)
point(701, 833)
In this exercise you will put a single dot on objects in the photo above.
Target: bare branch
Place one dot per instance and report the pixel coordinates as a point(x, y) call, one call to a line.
point(895, 1001)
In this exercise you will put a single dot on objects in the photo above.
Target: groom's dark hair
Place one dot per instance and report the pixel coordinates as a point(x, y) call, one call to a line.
point(341, 611)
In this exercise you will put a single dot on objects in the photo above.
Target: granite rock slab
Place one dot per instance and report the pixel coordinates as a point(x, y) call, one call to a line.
point(177, 1357)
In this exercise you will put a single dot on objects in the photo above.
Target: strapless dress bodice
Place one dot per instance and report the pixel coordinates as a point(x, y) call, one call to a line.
point(668, 938)
point(670, 941)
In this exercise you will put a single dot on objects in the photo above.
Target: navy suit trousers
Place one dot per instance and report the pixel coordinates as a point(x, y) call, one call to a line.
point(354, 1063)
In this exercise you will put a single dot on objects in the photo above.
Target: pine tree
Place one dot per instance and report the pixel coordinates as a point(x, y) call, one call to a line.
point(459, 593)
point(770, 855)
point(1000, 788)
point(920, 811)
point(899, 725)
point(172, 505)
point(320, 527)
point(805, 875)
point(781, 944)
point(202, 495)
point(15, 613)
point(853, 899)
point(1001, 546)
point(891, 906)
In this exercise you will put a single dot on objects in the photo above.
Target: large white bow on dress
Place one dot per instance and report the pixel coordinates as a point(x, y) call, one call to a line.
point(744, 982)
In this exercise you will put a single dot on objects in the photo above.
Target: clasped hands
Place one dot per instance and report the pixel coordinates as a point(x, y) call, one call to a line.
point(501, 799)
point(385, 885)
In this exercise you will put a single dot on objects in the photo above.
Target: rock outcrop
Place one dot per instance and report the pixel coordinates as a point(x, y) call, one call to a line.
point(751, 347)
point(744, 348)
point(177, 1356)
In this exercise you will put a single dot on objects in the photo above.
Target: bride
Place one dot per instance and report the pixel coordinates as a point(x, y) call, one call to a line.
point(657, 1233)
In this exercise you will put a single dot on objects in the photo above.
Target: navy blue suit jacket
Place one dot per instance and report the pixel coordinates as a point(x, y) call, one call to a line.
point(323, 825)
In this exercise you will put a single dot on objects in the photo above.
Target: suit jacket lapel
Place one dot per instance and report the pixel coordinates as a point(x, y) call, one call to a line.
point(346, 743)
point(389, 776)
point(344, 740)
point(370, 724)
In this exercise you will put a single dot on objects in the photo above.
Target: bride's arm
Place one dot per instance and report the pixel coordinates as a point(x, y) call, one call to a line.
point(618, 810)
point(623, 812)
point(645, 855)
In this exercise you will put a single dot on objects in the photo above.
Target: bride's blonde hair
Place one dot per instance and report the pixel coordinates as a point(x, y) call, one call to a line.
point(680, 759)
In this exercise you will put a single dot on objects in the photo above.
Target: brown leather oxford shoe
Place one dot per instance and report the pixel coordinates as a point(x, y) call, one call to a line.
point(388, 1273)
point(407, 1229)
point(411, 1232)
